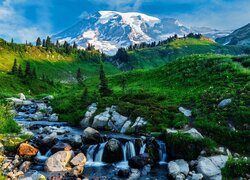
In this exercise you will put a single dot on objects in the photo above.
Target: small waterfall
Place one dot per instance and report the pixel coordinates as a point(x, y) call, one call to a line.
point(90, 153)
point(99, 154)
point(48, 153)
point(143, 149)
point(128, 150)
point(162, 152)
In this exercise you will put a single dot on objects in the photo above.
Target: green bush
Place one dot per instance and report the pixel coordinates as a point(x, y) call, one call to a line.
point(7, 124)
point(180, 145)
point(236, 168)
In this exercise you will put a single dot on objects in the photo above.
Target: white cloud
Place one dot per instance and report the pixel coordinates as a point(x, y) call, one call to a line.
point(13, 23)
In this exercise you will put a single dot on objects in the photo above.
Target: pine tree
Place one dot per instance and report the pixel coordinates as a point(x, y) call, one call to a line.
point(14, 67)
point(85, 97)
point(57, 44)
point(79, 76)
point(38, 42)
point(48, 42)
point(20, 71)
point(74, 45)
point(103, 88)
point(44, 43)
point(28, 73)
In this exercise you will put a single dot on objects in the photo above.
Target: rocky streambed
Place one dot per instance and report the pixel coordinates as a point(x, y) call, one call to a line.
point(60, 151)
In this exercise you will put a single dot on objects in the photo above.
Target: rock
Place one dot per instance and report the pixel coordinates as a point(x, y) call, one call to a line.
point(41, 106)
point(91, 110)
point(27, 150)
point(15, 101)
point(210, 167)
point(48, 98)
point(91, 136)
point(183, 166)
point(117, 121)
point(139, 161)
point(135, 174)
point(139, 122)
point(123, 173)
point(37, 176)
point(186, 112)
point(125, 126)
point(224, 103)
point(60, 146)
point(145, 170)
point(113, 151)
point(38, 116)
point(1, 148)
point(194, 133)
point(25, 166)
point(79, 160)
point(77, 170)
point(74, 140)
point(180, 177)
point(171, 131)
point(22, 96)
point(173, 169)
point(101, 120)
point(197, 176)
point(58, 161)
point(27, 103)
point(53, 118)
point(49, 138)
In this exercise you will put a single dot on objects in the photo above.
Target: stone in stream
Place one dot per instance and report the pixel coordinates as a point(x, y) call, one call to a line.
point(178, 167)
point(91, 136)
point(79, 160)
point(27, 150)
point(25, 166)
point(58, 161)
point(140, 161)
point(53, 118)
point(38, 116)
point(22, 96)
point(113, 151)
point(60, 146)
point(123, 173)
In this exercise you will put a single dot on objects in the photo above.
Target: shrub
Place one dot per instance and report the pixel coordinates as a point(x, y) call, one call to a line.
point(180, 145)
point(236, 168)
point(7, 124)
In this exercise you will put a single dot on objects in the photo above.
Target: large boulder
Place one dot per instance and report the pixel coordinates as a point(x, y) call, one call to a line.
point(27, 150)
point(210, 167)
point(183, 165)
point(126, 126)
point(91, 136)
point(173, 169)
point(86, 120)
point(79, 160)
point(113, 151)
point(60, 146)
point(194, 133)
point(117, 121)
point(140, 161)
point(53, 118)
point(101, 120)
point(22, 96)
point(139, 122)
point(58, 161)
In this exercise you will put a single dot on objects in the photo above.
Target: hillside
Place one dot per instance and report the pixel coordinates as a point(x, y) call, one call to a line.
point(197, 82)
point(157, 56)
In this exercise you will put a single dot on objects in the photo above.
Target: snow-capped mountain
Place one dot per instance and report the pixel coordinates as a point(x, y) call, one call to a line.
point(210, 32)
point(110, 30)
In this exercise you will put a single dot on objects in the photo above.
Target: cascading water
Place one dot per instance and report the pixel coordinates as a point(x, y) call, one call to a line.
point(143, 149)
point(94, 155)
point(128, 150)
point(162, 152)
point(99, 154)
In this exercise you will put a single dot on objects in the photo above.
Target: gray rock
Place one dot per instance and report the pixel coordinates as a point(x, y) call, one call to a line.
point(126, 126)
point(186, 112)
point(38, 116)
point(91, 110)
point(25, 166)
point(53, 118)
point(139, 122)
point(91, 135)
point(173, 169)
point(135, 174)
point(183, 166)
point(49, 97)
point(197, 176)
point(79, 160)
point(180, 176)
point(117, 121)
point(101, 120)
point(194, 133)
point(41, 106)
point(22, 96)
point(145, 170)
point(224, 103)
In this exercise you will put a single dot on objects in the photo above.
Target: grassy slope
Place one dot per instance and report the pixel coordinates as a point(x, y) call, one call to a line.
point(157, 56)
point(198, 82)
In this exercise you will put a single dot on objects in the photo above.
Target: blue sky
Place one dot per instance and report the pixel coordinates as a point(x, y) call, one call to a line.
point(28, 19)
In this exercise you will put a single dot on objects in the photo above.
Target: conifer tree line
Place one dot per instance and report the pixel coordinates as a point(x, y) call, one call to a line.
point(28, 72)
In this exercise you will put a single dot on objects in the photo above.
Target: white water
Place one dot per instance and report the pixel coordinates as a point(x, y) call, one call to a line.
point(97, 160)
point(99, 154)
point(128, 151)
point(143, 149)
point(162, 152)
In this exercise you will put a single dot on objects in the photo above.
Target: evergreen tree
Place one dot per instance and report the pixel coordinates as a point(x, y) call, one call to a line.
point(20, 71)
point(122, 55)
point(28, 70)
point(103, 88)
point(123, 83)
point(57, 44)
point(38, 42)
point(44, 43)
point(85, 97)
point(14, 67)
point(79, 76)
point(74, 45)
point(48, 42)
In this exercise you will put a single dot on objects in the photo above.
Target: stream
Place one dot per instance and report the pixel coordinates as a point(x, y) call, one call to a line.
point(94, 167)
